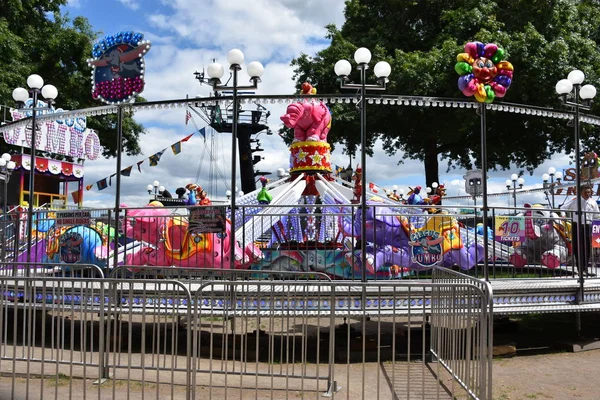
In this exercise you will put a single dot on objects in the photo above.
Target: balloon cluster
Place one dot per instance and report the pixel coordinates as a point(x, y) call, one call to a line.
point(109, 41)
point(483, 72)
point(118, 88)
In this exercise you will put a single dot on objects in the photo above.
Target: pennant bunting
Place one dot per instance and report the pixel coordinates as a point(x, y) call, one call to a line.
point(102, 184)
point(185, 139)
point(176, 147)
point(127, 171)
point(155, 158)
point(76, 197)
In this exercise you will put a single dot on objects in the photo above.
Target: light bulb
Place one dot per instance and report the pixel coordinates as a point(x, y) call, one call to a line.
point(576, 77)
point(215, 71)
point(342, 68)
point(362, 55)
point(235, 57)
point(49, 92)
point(20, 95)
point(255, 69)
point(587, 92)
point(35, 81)
point(564, 86)
point(382, 69)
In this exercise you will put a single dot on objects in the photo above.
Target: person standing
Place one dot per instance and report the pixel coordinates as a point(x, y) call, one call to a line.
point(582, 235)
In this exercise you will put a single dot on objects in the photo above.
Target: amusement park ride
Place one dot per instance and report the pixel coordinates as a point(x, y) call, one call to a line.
point(309, 221)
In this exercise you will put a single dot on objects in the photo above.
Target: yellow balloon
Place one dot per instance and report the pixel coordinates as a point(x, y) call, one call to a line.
point(505, 65)
point(464, 57)
point(480, 94)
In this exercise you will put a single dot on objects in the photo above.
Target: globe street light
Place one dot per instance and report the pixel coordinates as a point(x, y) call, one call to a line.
point(154, 187)
point(511, 184)
point(21, 96)
point(382, 70)
point(215, 72)
point(580, 99)
point(549, 180)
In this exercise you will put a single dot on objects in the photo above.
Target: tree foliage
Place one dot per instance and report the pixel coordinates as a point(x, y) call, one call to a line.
point(544, 40)
point(36, 38)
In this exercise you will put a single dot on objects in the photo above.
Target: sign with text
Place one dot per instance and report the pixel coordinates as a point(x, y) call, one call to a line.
point(596, 234)
point(509, 228)
point(68, 137)
point(74, 217)
point(207, 219)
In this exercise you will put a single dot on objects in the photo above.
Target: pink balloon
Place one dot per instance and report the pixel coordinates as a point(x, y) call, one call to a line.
point(471, 48)
point(498, 89)
point(489, 50)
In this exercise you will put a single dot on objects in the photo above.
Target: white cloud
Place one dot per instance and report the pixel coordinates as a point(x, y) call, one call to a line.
point(74, 3)
point(131, 4)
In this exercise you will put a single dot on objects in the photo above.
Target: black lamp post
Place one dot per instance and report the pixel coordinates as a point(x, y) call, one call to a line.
point(21, 95)
point(215, 72)
point(549, 180)
point(382, 70)
point(6, 168)
point(511, 184)
point(581, 98)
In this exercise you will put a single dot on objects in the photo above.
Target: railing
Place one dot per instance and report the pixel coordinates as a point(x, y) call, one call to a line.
point(83, 337)
point(320, 238)
point(453, 322)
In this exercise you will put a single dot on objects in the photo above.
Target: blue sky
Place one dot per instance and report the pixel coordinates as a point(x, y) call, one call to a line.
point(186, 35)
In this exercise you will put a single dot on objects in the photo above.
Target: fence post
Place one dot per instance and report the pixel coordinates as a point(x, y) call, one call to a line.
point(332, 386)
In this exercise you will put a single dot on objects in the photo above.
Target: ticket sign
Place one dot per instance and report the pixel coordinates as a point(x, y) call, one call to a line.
point(76, 217)
point(596, 234)
point(509, 228)
point(207, 219)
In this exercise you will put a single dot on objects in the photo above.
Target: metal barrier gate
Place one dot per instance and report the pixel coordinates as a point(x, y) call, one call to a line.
point(113, 338)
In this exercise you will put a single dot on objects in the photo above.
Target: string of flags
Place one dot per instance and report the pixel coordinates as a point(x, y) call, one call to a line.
point(153, 161)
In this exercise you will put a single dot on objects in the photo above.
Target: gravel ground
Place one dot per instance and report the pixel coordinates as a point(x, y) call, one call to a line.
point(548, 376)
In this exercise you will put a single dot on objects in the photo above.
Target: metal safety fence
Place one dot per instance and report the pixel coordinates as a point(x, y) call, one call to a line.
point(72, 337)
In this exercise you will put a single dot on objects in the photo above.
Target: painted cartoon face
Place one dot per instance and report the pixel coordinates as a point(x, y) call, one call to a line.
point(484, 69)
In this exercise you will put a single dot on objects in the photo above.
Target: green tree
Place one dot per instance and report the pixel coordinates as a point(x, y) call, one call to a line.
point(36, 38)
point(544, 40)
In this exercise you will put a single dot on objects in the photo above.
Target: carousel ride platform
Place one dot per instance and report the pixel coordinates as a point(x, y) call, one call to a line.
point(229, 294)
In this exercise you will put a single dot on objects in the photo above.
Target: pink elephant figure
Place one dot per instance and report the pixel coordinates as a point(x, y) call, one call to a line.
point(144, 224)
point(310, 121)
point(147, 256)
point(172, 243)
